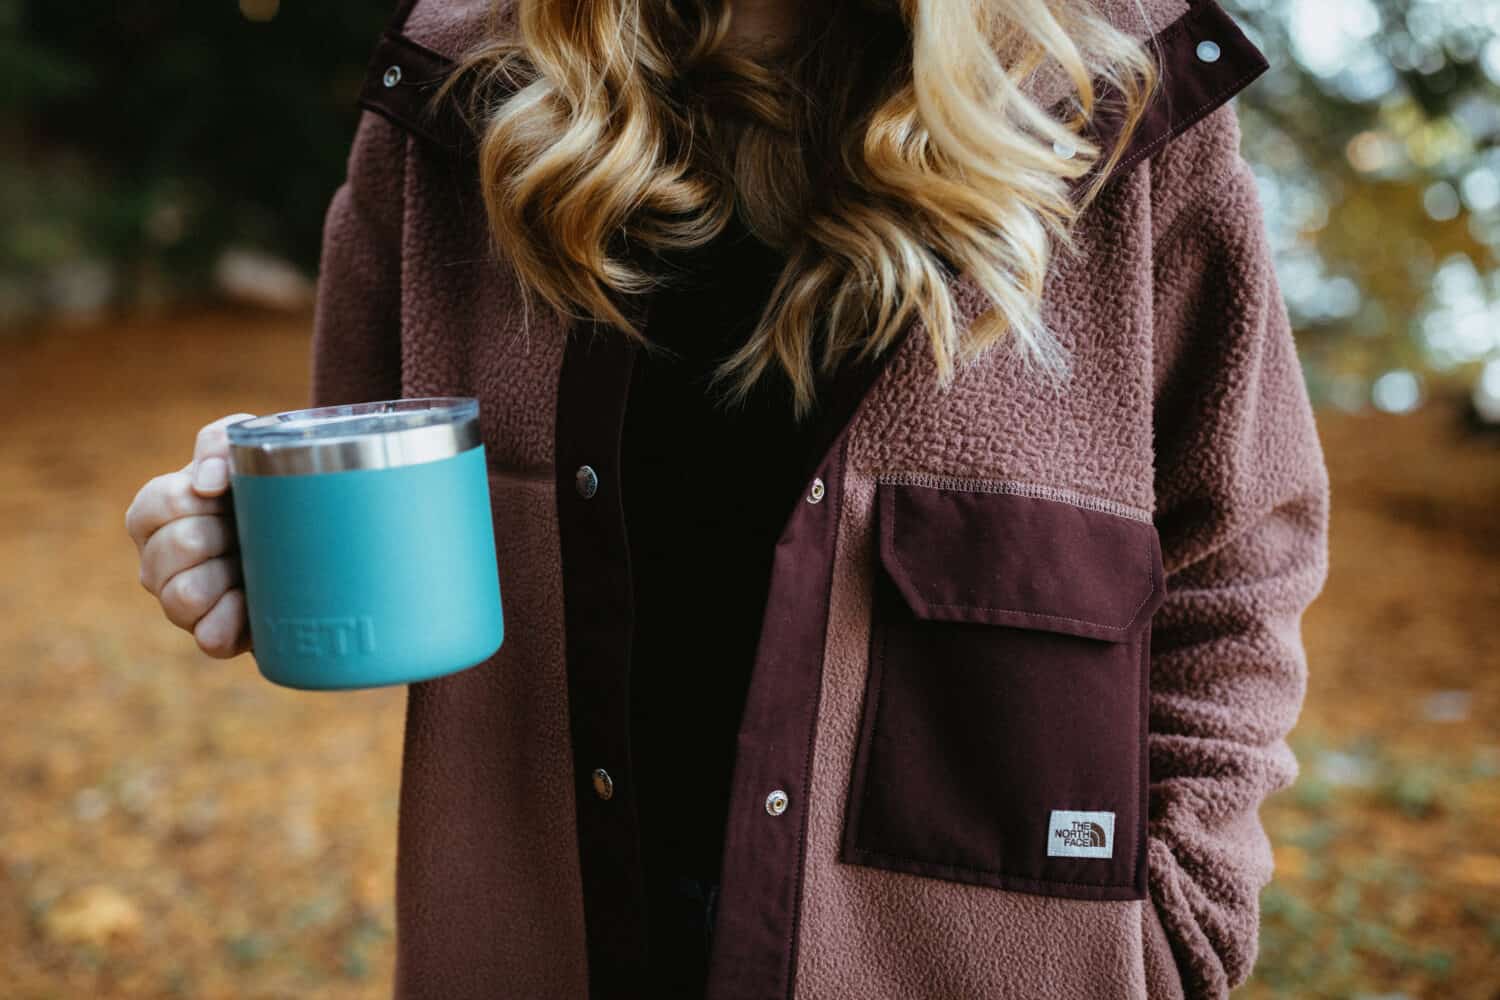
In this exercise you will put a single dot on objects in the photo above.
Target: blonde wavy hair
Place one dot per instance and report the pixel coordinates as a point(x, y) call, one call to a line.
point(887, 148)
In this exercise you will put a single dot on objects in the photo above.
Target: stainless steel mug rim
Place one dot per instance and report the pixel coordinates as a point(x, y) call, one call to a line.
point(273, 451)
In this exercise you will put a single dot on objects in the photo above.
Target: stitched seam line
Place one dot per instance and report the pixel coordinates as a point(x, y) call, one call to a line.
point(1017, 488)
point(840, 477)
point(869, 747)
point(1058, 618)
point(420, 126)
point(1143, 778)
point(1042, 492)
point(993, 871)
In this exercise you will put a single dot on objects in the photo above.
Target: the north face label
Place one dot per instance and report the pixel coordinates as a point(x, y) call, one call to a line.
point(1075, 834)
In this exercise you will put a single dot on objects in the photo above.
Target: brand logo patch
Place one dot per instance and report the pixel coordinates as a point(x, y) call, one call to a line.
point(1075, 834)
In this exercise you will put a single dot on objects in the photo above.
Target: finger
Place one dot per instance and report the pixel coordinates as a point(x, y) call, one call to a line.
point(246, 641)
point(187, 597)
point(164, 499)
point(224, 632)
point(182, 543)
point(210, 465)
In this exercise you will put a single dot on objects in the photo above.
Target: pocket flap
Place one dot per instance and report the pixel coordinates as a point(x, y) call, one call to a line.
point(999, 554)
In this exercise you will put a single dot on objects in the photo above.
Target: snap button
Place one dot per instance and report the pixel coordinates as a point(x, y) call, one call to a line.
point(1208, 51)
point(776, 802)
point(1064, 149)
point(392, 76)
point(587, 481)
point(604, 785)
point(816, 493)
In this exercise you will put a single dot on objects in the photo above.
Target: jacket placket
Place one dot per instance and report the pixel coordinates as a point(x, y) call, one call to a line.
point(756, 920)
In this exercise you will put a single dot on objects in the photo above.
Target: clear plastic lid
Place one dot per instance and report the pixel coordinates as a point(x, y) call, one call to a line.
point(325, 423)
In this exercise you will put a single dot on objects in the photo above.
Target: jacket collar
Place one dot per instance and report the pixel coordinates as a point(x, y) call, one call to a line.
point(1205, 59)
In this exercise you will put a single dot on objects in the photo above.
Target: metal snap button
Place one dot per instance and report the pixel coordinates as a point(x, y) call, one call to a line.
point(1064, 149)
point(392, 76)
point(586, 480)
point(1208, 51)
point(776, 802)
point(604, 785)
point(816, 493)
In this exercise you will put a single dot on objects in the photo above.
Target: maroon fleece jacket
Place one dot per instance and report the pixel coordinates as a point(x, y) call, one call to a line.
point(1030, 653)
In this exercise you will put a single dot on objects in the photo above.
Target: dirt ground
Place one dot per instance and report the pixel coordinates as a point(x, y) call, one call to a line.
point(175, 825)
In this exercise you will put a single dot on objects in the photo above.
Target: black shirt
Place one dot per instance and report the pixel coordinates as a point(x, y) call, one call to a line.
point(705, 493)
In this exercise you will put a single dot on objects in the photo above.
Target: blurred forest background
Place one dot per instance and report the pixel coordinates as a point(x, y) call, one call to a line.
point(167, 167)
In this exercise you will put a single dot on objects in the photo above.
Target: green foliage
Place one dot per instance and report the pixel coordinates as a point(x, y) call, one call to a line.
point(153, 132)
point(1377, 141)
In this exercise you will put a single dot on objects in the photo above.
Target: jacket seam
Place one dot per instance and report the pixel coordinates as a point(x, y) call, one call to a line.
point(1017, 487)
point(794, 929)
point(1060, 618)
point(877, 672)
point(1018, 878)
point(1143, 779)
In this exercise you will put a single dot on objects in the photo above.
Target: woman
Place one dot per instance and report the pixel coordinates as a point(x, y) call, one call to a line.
point(905, 492)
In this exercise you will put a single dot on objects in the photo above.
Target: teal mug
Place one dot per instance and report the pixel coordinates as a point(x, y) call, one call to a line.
point(367, 542)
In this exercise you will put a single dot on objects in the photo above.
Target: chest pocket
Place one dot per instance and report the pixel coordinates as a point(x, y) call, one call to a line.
point(1002, 740)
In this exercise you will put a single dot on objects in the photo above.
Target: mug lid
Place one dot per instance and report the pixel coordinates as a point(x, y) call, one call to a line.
point(371, 435)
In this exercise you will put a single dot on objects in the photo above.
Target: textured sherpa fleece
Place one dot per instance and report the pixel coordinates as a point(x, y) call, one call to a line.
point(1185, 413)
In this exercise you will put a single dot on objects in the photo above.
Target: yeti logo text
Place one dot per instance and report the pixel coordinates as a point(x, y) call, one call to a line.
point(1074, 834)
point(322, 637)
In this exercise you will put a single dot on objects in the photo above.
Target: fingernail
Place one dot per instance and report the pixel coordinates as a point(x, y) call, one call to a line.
point(210, 474)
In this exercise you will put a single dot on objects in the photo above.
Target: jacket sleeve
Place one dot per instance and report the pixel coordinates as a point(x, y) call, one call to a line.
point(356, 342)
point(1241, 508)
